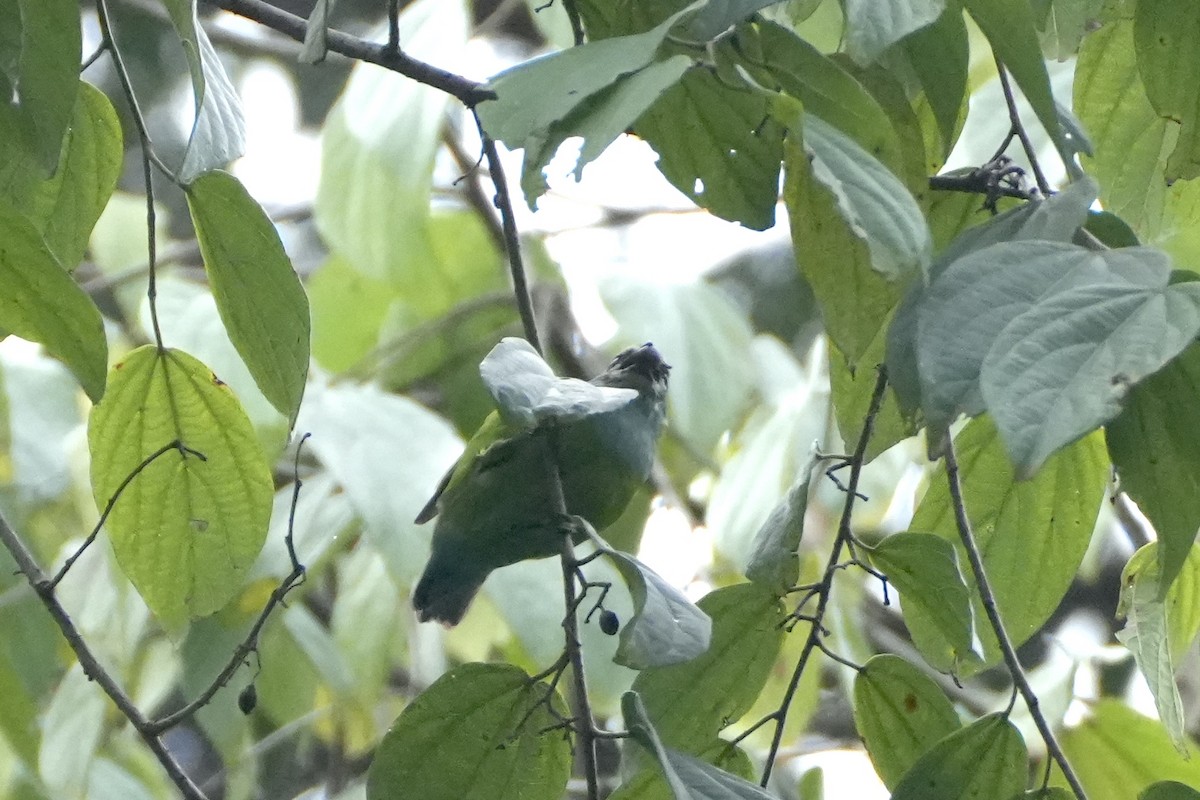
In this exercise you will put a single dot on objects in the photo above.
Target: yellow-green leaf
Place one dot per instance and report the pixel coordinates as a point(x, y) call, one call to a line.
point(1032, 534)
point(1164, 34)
point(1117, 753)
point(900, 713)
point(64, 207)
point(186, 529)
point(40, 302)
point(261, 300)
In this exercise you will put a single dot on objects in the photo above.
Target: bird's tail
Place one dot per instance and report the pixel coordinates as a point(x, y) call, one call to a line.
point(445, 591)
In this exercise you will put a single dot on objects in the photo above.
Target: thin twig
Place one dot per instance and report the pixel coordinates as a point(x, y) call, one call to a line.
point(585, 727)
point(112, 501)
point(467, 91)
point(250, 643)
point(148, 157)
point(91, 665)
point(95, 56)
point(823, 590)
point(575, 19)
point(988, 600)
point(477, 198)
point(1019, 129)
point(393, 27)
point(512, 241)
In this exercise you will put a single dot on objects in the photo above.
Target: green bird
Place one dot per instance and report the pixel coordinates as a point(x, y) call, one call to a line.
point(494, 506)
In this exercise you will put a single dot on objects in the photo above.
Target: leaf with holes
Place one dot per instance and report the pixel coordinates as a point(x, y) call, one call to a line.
point(186, 529)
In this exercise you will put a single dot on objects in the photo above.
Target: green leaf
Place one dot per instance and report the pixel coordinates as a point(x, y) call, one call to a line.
point(939, 55)
point(316, 32)
point(64, 208)
point(1158, 458)
point(649, 783)
point(71, 733)
point(985, 760)
point(1118, 753)
point(476, 733)
point(598, 120)
point(765, 457)
point(186, 529)
point(774, 561)
point(1063, 367)
point(1032, 534)
point(1169, 790)
point(855, 298)
point(702, 335)
point(533, 96)
point(387, 452)
point(1131, 141)
point(717, 16)
point(1048, 337)
point(718, 145)
point(1146, 634)
point(1048, 793)
point(1009, 28)
point(40, 302)
point(876, 206)
point(1164, 32)
point(319, 648)
point(1054, 219)
point(260, 298)
point(900, 713)
point(47, 76)
point(826, 89)
point(872, 27)
point(1064, 25)
point(924, 567)
point(689, 777)
point(378, 145)
point(956, 228)
point(851, 391)
point(691, 703)
point(666, 628)
point(348, 310)
point(218, 133)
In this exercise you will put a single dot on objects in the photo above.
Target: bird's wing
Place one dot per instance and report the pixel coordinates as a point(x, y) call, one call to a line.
point(491, 446)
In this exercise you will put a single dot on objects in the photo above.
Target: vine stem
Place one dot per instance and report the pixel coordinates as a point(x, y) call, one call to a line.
point(585, 727)
point(148, 158)
point(988, 599)
point(91, 665)
point(822, 590)
point(1019, 129)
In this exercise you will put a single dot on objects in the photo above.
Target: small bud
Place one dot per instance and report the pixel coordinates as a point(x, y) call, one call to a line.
point(248, 699)
point(610, 623)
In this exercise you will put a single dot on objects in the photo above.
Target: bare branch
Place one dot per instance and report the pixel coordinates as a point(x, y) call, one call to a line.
point(468, 92)
point(91, 665)
point(988, 600)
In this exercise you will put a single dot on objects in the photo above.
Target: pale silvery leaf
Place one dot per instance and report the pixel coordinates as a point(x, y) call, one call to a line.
point(219, 133)
point(527, 391)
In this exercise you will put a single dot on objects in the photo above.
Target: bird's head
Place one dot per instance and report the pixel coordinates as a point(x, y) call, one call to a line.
point(640, 368)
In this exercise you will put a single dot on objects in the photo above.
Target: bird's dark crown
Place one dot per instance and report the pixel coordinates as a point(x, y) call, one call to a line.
point(645, 361)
